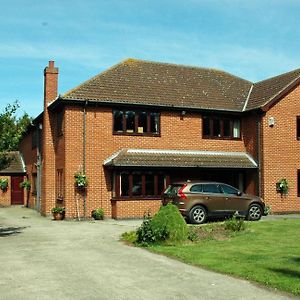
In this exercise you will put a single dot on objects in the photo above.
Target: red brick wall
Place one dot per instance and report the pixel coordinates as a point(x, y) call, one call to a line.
point(30, 159)
point(101, 143)
point(5, 196)
point(281, 153)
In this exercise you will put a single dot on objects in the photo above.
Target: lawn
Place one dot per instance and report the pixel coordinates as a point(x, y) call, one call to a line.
point(267, 252)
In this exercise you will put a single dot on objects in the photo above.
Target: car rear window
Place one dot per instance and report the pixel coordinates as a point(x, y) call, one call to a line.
point(173, 189)
point(197, 188)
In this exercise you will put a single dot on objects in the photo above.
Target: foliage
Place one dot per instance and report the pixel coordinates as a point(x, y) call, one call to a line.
point(212, 231)
point(129, 236)
point(98, 214)
point(11, 131)
point(81, 180)
point(267, 210)
point(25, 184)
point(166, 225)
point(236, 223)
point(267, 253)
point(3, 184)
point(282, 186)
point(58, 210)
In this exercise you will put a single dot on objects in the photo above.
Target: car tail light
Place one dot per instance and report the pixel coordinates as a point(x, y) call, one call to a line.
point(181, 193)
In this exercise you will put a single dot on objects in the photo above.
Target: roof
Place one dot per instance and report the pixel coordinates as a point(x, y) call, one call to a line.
point(16, 164)
point(161, 84)
point(139, 82)
point(265, 91)
point(179, 158)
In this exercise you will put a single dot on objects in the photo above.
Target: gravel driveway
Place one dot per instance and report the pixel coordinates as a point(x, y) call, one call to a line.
point(44, 259)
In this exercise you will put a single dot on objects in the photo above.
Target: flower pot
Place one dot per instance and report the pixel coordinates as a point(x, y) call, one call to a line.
point(58, 216)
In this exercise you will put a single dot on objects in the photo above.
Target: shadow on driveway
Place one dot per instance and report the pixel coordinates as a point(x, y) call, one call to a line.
point(6, 231)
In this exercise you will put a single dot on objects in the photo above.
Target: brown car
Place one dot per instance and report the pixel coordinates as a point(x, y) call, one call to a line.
point(198, 200)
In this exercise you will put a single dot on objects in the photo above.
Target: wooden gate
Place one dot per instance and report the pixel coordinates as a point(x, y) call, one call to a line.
point(17, 194)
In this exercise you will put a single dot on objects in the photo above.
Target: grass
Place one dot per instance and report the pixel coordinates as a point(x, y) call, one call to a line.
point(267, 253)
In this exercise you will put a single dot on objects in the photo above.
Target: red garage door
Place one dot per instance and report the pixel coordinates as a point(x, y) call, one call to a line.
point(16, 191)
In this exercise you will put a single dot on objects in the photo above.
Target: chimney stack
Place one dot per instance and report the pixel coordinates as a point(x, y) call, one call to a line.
point(50, 83)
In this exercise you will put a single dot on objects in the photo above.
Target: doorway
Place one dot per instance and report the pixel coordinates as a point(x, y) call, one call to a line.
point(17, 194)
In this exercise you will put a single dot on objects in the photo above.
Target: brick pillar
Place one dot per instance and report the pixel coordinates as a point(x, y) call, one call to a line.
point(48, 152)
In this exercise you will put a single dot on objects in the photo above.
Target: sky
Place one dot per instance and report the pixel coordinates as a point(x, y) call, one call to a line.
point(253, 39)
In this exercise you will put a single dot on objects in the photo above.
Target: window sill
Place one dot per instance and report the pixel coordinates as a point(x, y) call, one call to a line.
point(137, 134)
point(221, 138)
point(135, 198)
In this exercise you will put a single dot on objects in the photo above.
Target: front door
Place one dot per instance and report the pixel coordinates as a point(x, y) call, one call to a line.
point(17, 197)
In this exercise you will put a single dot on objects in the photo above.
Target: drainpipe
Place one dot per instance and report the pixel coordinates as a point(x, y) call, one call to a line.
point(84, 155)
point(259, 154)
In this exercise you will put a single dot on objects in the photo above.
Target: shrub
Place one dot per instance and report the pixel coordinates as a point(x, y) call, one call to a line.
point(58, 210)
point(166, 225)
point(3, 184)
point(25, 184)
point(98, 214)
point(236, 223)
point(129, 236)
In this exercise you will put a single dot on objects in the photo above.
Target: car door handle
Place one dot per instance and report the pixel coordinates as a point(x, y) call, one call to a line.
point(206, 198)
point(226, 198)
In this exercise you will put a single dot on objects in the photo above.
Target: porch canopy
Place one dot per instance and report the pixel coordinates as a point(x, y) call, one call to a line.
point(180, 158)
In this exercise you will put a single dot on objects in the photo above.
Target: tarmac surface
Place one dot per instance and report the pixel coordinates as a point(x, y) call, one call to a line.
point(45, 259)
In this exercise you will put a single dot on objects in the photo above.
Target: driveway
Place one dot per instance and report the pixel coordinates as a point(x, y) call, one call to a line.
point(44, 259)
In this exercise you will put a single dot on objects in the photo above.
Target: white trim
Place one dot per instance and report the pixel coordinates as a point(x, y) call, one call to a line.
point(191, 152)
point(248, 97)
point(23, 162)
point(109, 159)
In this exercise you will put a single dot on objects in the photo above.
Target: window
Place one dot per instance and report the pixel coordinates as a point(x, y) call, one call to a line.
point(59, 184)
point(211, 188)
point(298, 128)
point(197, 188)
point(136, 122)
point(221, 127)
point(34, 183)
point(34, 138)
point(229, 190)
point(60, 119)
point(139, 184)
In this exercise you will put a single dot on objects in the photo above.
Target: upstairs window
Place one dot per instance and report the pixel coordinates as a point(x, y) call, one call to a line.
point(135, 122)
point(298, 128)
point(60, 120)
point(217, 127)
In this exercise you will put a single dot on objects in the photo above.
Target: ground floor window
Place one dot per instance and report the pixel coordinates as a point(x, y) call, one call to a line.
point(140, 184)
point(59, 184)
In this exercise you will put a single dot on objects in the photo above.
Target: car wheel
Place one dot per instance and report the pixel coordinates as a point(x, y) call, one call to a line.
point(198, 215)
point(254, 212)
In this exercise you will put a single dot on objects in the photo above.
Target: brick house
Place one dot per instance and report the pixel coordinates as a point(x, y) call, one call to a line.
point(139, 125)
point(14, 173)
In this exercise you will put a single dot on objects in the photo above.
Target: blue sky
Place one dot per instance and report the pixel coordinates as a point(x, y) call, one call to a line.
point(252, 39)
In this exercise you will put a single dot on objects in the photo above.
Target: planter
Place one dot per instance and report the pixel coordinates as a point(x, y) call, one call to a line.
point(58, 216)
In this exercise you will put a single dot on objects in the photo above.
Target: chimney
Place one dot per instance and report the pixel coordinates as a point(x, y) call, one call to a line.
point(50, 83)
point(48, 176)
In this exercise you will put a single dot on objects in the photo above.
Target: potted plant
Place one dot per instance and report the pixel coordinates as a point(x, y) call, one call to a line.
point(98, 214)
point(25, 184)
point(282, 186)
point(3, 184)
point(81, 181)
point(58, 213)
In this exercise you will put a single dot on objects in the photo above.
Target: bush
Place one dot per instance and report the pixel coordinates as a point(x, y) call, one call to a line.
point(129, 237)
point(166, 225)
point(236, 223)
point(58, 210)
point(98, 214)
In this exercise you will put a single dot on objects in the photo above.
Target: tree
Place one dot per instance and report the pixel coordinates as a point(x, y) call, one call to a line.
point(11, 131)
